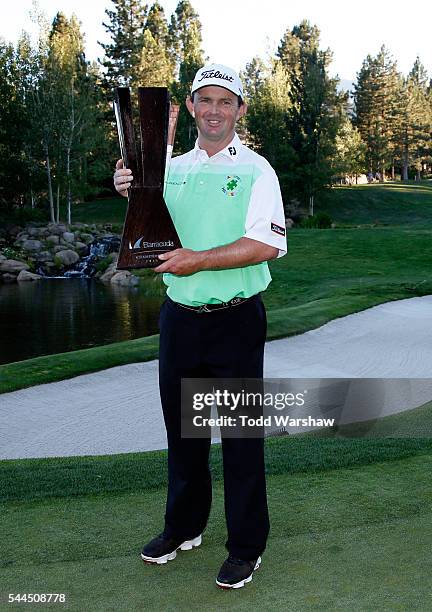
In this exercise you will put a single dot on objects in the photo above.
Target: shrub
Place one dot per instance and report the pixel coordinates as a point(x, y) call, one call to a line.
point(318, 221)
point(16, 254)
point(103, 264)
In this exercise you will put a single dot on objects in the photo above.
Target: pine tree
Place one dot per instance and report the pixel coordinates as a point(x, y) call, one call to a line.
point(156, 66)
point(185, 33)
point(315, 111)
point(416, 122)
point(13, 127)
point(123, 55)
point(377, 97)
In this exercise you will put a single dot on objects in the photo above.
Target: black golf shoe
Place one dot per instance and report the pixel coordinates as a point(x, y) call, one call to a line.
point(235, 573)
point(162, 549)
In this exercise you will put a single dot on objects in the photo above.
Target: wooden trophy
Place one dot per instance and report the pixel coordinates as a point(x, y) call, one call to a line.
point(148, 229)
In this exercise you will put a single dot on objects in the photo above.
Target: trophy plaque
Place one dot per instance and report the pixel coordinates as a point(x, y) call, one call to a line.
point(148, 229)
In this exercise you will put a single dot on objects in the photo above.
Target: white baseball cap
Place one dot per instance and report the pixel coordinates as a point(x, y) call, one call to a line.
point(217, 74)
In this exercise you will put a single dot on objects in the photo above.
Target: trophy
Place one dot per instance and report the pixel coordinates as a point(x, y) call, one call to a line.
point(148, 229)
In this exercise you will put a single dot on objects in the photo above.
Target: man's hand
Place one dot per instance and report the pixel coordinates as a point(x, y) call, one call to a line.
point(242, 252)
point(122, 178)
point(181, 262)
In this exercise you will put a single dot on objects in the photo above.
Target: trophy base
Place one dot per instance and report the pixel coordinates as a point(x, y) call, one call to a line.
point(148, 231)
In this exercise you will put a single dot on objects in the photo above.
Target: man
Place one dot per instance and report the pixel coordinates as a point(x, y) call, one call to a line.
point(226, 205)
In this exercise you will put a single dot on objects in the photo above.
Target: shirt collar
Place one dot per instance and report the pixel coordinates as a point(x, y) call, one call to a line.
point(231, 151)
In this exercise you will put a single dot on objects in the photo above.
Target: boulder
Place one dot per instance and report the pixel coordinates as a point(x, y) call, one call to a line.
point(58, 229)
point(289, 223)
point(32, 245)
point(2, 257)
point(108, 274)
point(12, 266)
point(34, 231)
point(125, 279)
point(68, 257)
point(53, 239)
point(8, 278)
point(24, 275)
point(81, 248)
point(68, 236)
point(44, 256)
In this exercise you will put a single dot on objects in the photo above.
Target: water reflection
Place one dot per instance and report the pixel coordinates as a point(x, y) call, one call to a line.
point(59, 315)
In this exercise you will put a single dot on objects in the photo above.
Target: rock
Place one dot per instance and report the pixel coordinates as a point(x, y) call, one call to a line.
point(8, 278)
point(32, 245)
point(58, 229)
point(44, 256)
point(58, 248)
point(34, 231)
point(68, 236)
point(125, 279)
point(68, 257)
point(2, 257)
point(24, 275)
point(53, 239)
point(289, 223)
point(81, 248)
point(12, 266)
point(108, 274)
point(87, 238)
point(14, 230)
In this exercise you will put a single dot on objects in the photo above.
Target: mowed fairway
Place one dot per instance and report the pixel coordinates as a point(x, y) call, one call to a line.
point(357, 537)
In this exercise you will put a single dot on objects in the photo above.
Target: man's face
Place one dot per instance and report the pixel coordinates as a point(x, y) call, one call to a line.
point(216, 111)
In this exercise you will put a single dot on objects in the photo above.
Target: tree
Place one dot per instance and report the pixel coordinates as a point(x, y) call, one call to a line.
point(186, 40)
point(350, 151)
point(315, 112)
point(267, 92)
point(13, 171)
point(123, 55)
point(416, 125)
point(377, 98)
point(156, 66)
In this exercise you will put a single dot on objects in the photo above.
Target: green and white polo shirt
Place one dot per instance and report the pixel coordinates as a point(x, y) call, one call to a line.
point(214, 201)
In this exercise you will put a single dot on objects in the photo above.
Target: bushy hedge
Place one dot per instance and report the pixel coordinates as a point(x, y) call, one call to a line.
point(318, 221)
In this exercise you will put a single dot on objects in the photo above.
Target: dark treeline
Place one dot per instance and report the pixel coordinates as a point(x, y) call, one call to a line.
point(57, 135)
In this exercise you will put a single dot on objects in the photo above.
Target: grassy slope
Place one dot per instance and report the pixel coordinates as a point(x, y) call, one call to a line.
point(383, 204)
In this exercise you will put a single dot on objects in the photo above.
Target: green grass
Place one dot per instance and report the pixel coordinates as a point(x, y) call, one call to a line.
point(394, 204)
point(351, 527)
point(353, 538)
point(104, 210)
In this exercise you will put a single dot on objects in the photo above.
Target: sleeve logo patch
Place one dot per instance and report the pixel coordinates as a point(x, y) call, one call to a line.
point(278, 229)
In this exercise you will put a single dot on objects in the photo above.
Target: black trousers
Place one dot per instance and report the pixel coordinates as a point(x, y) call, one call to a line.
point(226, 343)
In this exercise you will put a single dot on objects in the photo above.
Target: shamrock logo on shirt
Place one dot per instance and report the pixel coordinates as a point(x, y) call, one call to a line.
point(232, 186)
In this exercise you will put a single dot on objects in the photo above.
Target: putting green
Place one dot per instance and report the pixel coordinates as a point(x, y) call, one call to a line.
point(352, 538)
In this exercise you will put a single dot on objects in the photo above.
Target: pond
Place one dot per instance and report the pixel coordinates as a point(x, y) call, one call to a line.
point(58, 315)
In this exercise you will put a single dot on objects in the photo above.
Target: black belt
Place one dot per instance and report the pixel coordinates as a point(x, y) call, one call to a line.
point(212, 307)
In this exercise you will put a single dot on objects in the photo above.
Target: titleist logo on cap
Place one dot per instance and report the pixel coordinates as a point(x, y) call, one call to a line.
point(215, 74)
